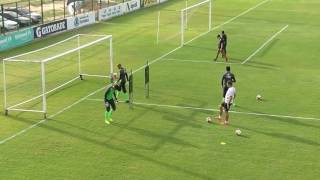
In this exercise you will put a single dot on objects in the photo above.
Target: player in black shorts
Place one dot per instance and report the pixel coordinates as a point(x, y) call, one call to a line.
point(122, 81)
point(226, 104)
point(225, 42)
point(228, 76)
point(220, 47)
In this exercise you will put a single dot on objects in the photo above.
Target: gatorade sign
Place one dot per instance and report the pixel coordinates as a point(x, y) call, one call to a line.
point(50, 28)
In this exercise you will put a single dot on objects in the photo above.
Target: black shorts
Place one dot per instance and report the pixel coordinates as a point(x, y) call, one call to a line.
point(226, 107)
point(122, 86)
point(225, 48)
point(225, 89)
point(110, 103)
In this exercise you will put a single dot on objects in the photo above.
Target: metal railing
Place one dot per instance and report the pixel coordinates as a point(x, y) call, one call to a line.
point(27, 13)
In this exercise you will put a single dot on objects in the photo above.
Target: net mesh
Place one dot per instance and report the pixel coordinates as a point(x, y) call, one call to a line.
point(23, 83)
point(169, 27)
point(24, 79)
point(196, 21)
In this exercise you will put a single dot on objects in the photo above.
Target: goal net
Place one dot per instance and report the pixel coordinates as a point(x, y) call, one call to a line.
point(168, 27)
point(178, 27)
point(29, 78)
point(195, 21)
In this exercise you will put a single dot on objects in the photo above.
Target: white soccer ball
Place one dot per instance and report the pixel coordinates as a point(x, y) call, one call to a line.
point(258, 97)
point(209, 120)
point(238, 132)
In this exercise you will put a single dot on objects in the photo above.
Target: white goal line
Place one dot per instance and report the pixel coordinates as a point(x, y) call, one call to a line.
point(216, 110)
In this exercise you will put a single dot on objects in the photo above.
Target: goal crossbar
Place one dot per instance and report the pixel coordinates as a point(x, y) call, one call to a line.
point(41, 49)
point(19, 60)
point(78, 48)
point(196, 5)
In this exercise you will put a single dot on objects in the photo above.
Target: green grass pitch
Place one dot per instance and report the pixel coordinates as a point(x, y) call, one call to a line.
point(166, 136)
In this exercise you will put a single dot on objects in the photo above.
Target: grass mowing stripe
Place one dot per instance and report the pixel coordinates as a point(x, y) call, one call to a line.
point(151, 62)
point(216, 110)
point(264, 44)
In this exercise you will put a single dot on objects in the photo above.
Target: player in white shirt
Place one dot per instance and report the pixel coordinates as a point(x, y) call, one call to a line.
point(230, 95)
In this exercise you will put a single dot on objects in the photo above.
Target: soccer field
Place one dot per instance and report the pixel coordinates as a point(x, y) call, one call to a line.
point(273, 51)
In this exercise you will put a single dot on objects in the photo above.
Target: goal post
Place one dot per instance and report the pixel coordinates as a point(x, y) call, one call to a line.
point(195, 20)
point(28, 78)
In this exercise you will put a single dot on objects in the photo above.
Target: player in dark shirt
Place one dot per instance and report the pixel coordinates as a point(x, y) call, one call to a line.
point(228, 76)
point(224, 47)
point(225, 39)
point(122, 81)
point(220, 46)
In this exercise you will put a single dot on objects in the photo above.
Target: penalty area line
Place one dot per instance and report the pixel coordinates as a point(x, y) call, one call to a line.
point(216, 110)
point(264, 44)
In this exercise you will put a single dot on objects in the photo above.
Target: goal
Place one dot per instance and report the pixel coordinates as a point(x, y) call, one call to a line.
point(195, 21)
point(29, 78)
point(179, 27)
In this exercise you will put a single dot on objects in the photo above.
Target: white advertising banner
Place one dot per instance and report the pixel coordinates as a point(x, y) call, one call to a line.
point(132, 5)
point(110, 12)
point(81, 20)
point(118, 10)
point(162, 1)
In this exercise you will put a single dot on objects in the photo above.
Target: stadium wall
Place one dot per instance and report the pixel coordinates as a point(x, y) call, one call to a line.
point(21, 37)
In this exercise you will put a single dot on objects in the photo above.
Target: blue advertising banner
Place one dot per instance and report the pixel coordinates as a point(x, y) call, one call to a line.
point(16, 39)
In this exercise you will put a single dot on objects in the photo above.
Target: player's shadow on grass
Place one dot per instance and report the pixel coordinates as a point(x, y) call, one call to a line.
point(263, 64)
point(213, 50)
point(267, 48)
point(282, 136)
point(170, 115)
point(96, 133)
point(158, 136)
point(76, 85)
point(158, 96)
point(284, 119)
point(109, 146)
point(180, 120)
point(261, 67)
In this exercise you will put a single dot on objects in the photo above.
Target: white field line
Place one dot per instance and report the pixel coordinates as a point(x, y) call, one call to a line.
point(197, 61)
point(264, 44)
point(216, 110)
point(52, 116)
point(151, 62)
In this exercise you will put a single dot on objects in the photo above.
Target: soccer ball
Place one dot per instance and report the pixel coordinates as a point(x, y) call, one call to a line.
point(238, 132)
point(209, 120)
point(258, 97)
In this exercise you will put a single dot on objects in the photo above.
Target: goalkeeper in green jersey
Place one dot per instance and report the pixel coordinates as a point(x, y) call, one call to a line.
point(110, 100)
